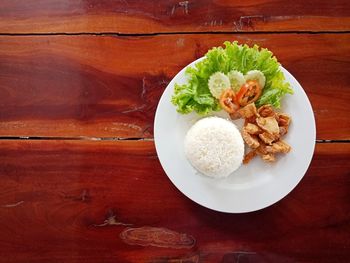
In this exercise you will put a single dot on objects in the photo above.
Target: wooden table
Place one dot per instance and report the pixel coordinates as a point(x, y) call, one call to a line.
point(79, 85)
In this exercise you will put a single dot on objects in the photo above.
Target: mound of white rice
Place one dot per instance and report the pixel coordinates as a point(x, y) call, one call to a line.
point(214, 146)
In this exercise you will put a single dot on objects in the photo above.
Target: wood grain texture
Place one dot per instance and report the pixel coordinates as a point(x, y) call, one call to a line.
point(110, 86)
point(132, 16)
point(69, 201)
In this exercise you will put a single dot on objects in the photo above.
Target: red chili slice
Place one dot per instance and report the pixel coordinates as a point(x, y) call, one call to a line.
point(228, 101)
point(248, 93)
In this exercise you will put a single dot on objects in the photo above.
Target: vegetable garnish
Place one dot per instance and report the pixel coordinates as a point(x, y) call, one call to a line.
point(248, 93)
point(228, 101)
point(236, 79)
point(196, 95)
point(217, 83)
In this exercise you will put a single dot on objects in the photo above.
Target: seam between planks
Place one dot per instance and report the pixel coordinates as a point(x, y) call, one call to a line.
point(72, 138)
point(86, 138)
point(172, 33)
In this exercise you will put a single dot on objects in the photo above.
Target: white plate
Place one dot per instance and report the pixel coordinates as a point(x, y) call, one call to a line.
point(251, 187)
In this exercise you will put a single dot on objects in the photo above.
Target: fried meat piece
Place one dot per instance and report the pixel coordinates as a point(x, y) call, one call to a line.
point(248, 111)
point(283, 131)
point(261, 150)
point(279, 147)
point(268, 138)
point(268, 157)
point(252, 128)
point(283, 119)
point(266, 111)
point(249, 139)
point(249, 156)
point(268, 124)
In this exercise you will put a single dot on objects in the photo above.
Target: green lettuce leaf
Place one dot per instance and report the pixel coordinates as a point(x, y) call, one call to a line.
point(195, 95)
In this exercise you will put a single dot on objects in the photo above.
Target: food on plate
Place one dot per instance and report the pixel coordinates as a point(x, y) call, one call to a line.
point(246, 82)
point(269, 125)
point(236, 79)
point(263, 131)
point(214, 146)
point(248, 93)
point(256, 75)
point(228, 101)
point(250, 139)
point(248, 112)
point(217, 83)
point(252, 128)
point(233, 67)
point(234, 97)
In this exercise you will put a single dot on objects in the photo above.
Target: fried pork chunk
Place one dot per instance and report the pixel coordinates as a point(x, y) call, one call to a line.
point(262, 131)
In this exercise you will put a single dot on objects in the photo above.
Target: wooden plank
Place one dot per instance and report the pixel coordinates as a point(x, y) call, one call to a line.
point(57, 16)
point(110, 86)
point(69, 201)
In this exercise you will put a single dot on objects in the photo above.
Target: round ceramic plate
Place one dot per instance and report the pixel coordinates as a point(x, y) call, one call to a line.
point(251, 187)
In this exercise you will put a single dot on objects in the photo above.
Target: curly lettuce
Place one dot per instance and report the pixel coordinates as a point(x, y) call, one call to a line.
point(195, 95)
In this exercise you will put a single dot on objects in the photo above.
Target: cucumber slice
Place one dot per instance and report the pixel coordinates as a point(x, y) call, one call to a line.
point(236, 79)
point(256, 75)
point(217, 83)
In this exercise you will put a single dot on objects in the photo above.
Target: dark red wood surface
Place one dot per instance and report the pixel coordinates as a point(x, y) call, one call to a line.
point(109, 86)
point(56, 195)
point(80, 180)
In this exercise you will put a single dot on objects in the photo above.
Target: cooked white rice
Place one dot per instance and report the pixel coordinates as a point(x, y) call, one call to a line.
point(214, 146)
